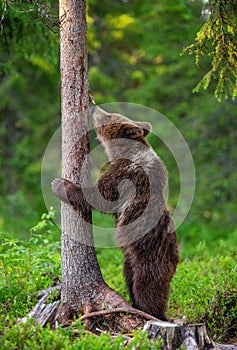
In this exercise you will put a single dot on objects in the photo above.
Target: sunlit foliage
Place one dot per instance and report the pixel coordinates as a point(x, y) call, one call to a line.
point(217, 40)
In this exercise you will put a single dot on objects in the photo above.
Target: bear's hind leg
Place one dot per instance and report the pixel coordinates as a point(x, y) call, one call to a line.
point(128, 274)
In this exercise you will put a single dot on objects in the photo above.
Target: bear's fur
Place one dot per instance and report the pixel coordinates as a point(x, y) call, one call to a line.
point(134, 185)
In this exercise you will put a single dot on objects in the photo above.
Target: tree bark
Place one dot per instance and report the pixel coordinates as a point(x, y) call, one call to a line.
point(81, 275)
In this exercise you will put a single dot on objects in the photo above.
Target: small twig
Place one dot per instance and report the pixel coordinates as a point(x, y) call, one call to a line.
point(100, 330)
point(118, 310)
point(86, 331)
point(91, 99)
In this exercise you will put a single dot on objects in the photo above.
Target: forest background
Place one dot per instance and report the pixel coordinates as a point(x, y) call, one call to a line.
point(134, 56)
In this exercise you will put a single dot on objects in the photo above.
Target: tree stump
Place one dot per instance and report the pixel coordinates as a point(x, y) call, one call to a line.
point(191, 336)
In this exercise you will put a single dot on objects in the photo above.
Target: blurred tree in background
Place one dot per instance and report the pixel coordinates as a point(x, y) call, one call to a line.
point(135, 56)
point(29, 110)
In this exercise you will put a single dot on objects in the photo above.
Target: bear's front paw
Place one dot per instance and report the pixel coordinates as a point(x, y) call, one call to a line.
point(59, 187)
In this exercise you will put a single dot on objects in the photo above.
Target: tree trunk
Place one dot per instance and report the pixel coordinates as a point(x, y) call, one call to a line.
point(83, 288)
point(81, 275)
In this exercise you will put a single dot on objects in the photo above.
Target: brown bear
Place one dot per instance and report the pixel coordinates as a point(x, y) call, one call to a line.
point(133, 184)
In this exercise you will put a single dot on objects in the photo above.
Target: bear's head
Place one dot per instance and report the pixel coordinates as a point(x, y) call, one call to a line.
point(111, 126)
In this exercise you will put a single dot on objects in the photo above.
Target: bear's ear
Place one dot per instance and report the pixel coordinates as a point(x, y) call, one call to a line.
point(146, 127)
point(131, 131)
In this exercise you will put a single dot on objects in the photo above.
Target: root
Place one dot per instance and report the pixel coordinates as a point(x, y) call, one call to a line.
point(106, 300)
point(119, 310)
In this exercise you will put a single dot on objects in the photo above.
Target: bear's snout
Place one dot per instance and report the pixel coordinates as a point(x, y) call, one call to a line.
point(99, 116)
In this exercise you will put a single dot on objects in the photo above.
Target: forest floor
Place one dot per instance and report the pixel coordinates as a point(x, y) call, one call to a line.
point(204, 289)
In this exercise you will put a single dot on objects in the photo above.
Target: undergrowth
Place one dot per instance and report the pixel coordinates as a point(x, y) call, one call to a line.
point(204, 289)
point(33, 337)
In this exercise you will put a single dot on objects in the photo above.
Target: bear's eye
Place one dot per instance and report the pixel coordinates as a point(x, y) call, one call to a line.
point(107, 117)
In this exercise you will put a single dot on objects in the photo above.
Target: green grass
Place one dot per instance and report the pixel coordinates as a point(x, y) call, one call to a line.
point(32, 337)
point(204, 288)
point(201, 285)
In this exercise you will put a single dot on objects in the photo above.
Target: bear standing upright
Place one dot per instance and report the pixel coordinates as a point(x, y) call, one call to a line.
point(133, 184)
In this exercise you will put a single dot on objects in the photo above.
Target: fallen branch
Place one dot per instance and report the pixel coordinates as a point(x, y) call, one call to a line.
point(44, 312)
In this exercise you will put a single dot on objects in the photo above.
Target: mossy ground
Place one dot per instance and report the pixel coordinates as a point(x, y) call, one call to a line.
point(204, 289)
